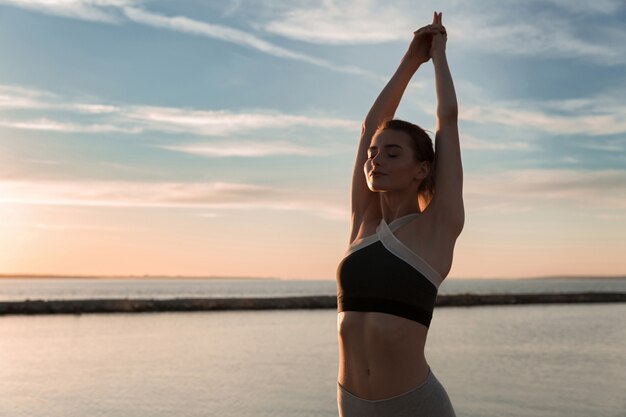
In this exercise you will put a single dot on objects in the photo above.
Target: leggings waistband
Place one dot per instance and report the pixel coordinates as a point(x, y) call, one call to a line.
point(428, 379)
point(429, 398)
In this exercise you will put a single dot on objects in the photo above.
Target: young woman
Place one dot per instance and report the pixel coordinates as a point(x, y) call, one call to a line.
point(407, 212)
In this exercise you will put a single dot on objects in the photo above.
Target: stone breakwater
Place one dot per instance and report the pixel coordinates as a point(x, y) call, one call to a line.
point(305, 302)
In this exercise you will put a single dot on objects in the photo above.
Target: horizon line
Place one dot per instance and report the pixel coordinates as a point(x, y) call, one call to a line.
point(151, 276)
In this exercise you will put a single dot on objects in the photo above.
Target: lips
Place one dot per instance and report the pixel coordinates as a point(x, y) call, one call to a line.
point(377, 173)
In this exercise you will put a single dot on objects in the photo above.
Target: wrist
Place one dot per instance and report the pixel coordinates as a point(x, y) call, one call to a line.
point(439, 56)
point(411, 61)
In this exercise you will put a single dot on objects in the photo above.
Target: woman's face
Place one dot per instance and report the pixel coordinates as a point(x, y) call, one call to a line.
point(391, 164)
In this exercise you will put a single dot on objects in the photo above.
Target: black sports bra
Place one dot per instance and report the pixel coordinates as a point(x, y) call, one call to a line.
point(380, 273)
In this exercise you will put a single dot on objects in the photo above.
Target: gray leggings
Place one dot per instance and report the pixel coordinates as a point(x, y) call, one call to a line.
point(429, 399)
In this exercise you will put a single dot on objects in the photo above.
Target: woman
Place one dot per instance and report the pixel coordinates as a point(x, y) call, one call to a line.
point(400, 251)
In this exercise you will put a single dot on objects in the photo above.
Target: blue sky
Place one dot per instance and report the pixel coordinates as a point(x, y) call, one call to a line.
point(218, 138)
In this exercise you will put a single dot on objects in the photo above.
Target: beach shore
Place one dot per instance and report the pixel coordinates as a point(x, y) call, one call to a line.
point(30, 307)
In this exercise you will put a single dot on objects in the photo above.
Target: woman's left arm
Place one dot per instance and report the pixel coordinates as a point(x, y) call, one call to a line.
point(448, 166)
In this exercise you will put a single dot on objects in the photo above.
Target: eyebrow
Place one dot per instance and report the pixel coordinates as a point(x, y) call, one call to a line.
point(386, 146)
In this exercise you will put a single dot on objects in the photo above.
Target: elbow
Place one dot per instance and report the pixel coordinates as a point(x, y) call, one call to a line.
point(368, 126)
point(451, 113)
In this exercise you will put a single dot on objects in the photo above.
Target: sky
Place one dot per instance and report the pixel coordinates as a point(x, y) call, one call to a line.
point(217, 138)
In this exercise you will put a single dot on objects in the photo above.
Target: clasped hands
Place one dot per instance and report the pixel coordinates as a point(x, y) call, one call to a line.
point(428, 41)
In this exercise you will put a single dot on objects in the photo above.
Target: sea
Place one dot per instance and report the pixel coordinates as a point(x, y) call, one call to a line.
point(515, 360)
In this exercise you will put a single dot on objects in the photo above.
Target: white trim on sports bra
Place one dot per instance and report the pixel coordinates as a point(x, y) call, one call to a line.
point(384, 233)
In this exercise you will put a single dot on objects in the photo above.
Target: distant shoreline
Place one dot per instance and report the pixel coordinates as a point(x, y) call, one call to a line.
point(30, 307)
point(212, 277)
point(574, 277)
point(170, 277)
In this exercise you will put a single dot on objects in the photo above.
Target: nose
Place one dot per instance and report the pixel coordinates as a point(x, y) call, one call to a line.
point(375, 164)
point(376, 159)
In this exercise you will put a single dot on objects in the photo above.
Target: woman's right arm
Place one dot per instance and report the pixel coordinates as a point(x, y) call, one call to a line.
point(418, 52)
point(365, 203)
point(389, 98)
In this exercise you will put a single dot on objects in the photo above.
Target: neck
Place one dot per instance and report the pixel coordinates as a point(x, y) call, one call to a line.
point(394, 206)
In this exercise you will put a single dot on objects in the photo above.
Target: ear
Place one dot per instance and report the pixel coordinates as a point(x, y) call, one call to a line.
point(423, 170)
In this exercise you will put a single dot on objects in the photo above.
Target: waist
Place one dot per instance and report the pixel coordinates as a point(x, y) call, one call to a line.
point(381, 331)
point(376, 349)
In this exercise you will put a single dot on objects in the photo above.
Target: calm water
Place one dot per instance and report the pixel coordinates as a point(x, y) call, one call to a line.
point(55, 289)
point(529, 361)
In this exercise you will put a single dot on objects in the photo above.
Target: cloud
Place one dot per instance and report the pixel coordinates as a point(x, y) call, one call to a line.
point(95, 108)
point(118, 11)
point(502, 27)
point(599, 190)
point(512, 191)
point(239, 37)
point(245, 149)
point(136, 119)
point(103, 11)
point(471, 142)
point(506, 26)
point(223, 122)
point(553, 32)
point(56, 126)
point(601, 114)
point(610, 145)
point(342, 22)
point(190, 195)
point(17, 97)
point(518, 114)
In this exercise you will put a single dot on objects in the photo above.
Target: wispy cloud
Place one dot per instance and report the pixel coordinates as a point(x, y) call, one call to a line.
point(508, 27)
point(342, 22)
point(245, 149)
point(604, 113)
point(103, 11)
point(600, 190)
point(592, 116)
point(191, 195)
point(187, 25)
point(136, 119)
point(610, 145)
point(222, 122)
point(56, 126)
point(119, 11)
point(18, 97)
point(553, 31)
point(471, 142)
point(518, 115)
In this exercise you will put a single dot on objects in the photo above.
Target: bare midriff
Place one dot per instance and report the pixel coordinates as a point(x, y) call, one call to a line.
point(380, 355)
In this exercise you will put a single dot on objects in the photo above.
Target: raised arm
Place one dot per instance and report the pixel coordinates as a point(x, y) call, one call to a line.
point(389, 98)
point(365, 203)
point(448, 166)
